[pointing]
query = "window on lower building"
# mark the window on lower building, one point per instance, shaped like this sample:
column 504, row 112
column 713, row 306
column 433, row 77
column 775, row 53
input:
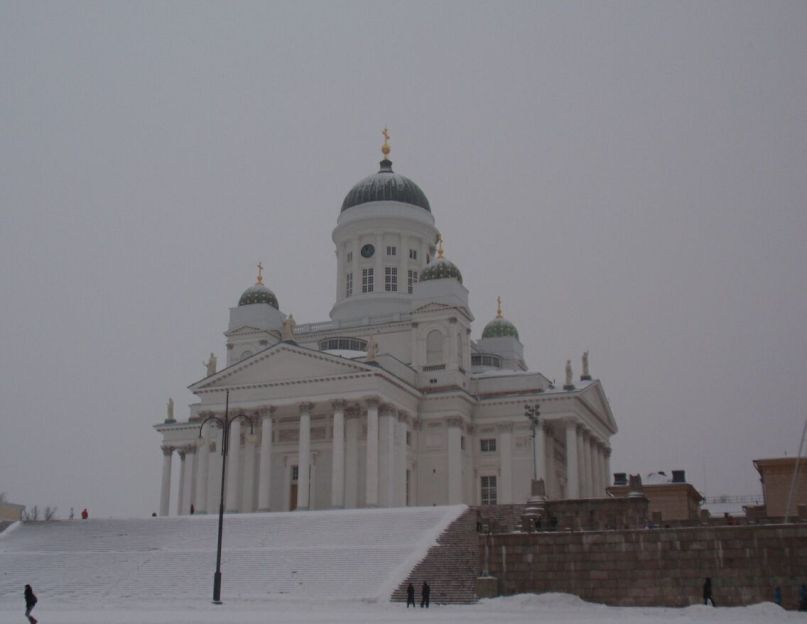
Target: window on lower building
column 348, row 284
column 391, row 279
column 488, row 485
column 462, row 443
column 413, row 254
column 411, row 280
column 408, row 438
column 342, row 343
column 367, row 280
column 487, row 445
column 392, row 251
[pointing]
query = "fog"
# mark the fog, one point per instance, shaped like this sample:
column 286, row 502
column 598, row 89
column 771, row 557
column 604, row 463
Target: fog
column 630, row 178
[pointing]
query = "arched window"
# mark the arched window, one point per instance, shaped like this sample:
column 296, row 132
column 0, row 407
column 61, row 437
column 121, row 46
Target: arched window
column 342, row 343
column 460, row 351
column 434, row 347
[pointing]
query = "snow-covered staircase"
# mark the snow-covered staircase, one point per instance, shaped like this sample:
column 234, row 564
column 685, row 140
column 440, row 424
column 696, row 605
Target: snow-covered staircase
column 317, row 555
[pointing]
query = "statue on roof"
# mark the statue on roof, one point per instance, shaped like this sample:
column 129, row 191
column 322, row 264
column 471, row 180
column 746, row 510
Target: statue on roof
column 585, row 376
column 169, row 411
column 287, row 332
column 210, row 365
column 372, row 349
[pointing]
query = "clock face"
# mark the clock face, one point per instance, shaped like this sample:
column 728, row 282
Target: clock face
column 367, row 251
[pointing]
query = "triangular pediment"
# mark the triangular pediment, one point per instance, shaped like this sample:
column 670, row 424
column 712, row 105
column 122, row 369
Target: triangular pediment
column 432, row 307
column 246, row 330
column 282, row 363
column 594, row 396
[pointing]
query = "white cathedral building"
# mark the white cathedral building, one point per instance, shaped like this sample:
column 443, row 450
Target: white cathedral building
column 392, row 401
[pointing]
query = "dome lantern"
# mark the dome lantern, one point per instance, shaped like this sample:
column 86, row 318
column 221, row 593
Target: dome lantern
column 258, row 293
column 500, row 326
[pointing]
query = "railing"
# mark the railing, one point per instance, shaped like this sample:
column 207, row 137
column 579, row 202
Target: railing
column 434, row 367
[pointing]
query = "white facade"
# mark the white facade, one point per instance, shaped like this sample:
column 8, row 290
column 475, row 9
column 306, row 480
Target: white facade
column 389, row 403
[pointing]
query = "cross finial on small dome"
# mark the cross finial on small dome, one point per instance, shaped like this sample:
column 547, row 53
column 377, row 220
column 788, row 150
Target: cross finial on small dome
column 385, row 149
column 260, row 273
column 440, row 247
column 499, row 308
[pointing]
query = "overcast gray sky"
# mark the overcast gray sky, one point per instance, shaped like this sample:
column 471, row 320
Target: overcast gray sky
column 631, row 178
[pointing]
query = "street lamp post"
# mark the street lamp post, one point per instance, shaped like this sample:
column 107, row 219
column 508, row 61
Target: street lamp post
column 224, row 423
column 533, row 414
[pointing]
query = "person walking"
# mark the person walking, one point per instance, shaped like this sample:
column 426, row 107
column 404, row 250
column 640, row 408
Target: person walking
column 777, row 595
column 410, row 596
column 425, row 591
column 707, row 592
column 30, row 603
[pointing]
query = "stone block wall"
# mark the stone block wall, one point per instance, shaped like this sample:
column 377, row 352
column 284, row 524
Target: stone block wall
column 658, row 567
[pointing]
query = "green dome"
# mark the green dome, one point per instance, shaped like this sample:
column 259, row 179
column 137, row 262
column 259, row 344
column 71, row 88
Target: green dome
column 499, row 327
column 258, row 294
column 441, row 268
column 386, row 185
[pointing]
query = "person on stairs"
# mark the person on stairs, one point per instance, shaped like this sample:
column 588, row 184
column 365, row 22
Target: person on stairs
column 30, row 603
column 410, row 596
column 425, row 591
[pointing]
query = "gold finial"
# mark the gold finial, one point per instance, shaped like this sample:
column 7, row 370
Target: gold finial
column 385, row 149
column 499, row 308
column 439, row 246
column 260, row 273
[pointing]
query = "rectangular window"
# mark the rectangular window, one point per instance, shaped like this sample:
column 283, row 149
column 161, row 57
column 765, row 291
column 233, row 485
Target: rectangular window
column 462, row 443
column 413, row 254
column 349, row 285
column 350, row 256
column 392, row 251
column 408, row 438
column 487, row 445
column 411, row 280
column 367, row 280
column 488, row 491
column 391, row 279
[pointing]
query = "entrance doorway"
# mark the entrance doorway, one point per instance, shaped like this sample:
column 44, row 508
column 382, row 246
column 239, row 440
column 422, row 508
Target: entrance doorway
column 293, row 488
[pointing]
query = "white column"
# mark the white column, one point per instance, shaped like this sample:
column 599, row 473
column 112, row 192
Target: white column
column 371, row 479
column 401, row 455
column 248, row 493
column 505, row 446
column 265, row 468
column 585, row 464
column 539, row 450
column 202, row 456
column 304, row 457
column 595, row 467
column 607, row 467
column 214, row 470
column 386, row 436
column 181, row 494
column 572, row 473
column 352, row 429
column 233, row 464
column 338, row 456
column 192, row 475
column 165, row 489
column 380, row 255
column 601, row 475
column 454, row 460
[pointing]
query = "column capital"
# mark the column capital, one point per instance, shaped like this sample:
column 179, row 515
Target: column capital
column 454, row 421
column 386, row 409
column 339, row 404
column 167, row 450
column 306, row 407
column 372, row 401
column 190, row 449
column 352, row 410
column 506, row 427
column 267, row 411
column 181, row 453
column 404, row 417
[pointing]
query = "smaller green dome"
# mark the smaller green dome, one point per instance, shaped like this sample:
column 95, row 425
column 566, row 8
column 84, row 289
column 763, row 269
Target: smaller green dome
column 258, row 294
column 498, row 328
column 441, row 269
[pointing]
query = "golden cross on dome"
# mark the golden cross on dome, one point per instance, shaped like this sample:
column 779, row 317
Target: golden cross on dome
column 260, row 273
column 499, row 308
column 385, row 149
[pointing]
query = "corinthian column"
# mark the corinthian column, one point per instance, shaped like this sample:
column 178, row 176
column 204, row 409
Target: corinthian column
column 165, row 489
column 386, row 426
column 371, row 480
column 454, row 460
column 265, row 468
column 248, row 480
column 233, row 463
column 304, row 454
column 338, row 456
column 572, row 474
column 181, row 495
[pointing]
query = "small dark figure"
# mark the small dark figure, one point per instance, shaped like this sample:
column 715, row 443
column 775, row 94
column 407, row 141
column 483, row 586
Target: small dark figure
column 424, row 595
column 30, row 603
column 192, row 509
column 153, row 514
column 410, row 596
column 553, row 523
column 707, row 592
column 777, row 595
column 803, row 598
column 539, row 524
column 85, row 514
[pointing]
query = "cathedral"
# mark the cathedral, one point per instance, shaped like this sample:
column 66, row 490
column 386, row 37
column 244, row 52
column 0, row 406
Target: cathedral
column 392, row 401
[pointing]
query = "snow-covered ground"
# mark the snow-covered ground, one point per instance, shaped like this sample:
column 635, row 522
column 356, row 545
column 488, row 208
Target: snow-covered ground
column 522, row 609
column 328, row 567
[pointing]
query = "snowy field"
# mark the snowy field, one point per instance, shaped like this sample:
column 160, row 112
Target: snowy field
column 522, row 609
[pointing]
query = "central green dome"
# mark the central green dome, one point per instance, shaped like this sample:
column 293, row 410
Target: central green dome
column 386, row 185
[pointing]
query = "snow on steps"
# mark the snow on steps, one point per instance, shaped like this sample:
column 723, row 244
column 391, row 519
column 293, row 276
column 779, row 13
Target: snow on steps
column 315, row 555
